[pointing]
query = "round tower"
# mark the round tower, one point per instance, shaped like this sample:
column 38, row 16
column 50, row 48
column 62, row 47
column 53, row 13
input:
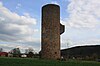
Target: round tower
column 50, row 32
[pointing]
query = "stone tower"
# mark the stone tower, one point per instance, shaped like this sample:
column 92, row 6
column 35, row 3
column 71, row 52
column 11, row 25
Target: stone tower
column 51, row 30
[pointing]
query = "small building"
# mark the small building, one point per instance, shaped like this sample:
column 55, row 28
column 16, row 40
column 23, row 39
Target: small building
column 10, row 55
column 3, row 54
column 24, row 56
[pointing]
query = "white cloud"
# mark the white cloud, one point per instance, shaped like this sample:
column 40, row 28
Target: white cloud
column 14, row 27
column 10, row 17
column 17, row 30
column 2, row 19
column 52, row 2
column 82, row 24
column 36, row 30
column 68, row 43
column 83, row 13
column 55, row 2
column 1, row 4
column 18, row 5
column 93, row 41
column 9, row 46
column 26, row 14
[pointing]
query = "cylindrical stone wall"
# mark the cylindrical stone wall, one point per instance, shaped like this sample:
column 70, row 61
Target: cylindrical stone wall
column 50, row 38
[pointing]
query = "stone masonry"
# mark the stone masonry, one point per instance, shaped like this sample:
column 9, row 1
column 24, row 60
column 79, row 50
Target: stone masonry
column 51, row 30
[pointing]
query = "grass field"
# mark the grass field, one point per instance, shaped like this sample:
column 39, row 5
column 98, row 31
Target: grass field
column 39, row 62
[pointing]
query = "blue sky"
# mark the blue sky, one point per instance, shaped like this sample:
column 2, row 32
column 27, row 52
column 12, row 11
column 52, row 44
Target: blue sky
column 20, row 23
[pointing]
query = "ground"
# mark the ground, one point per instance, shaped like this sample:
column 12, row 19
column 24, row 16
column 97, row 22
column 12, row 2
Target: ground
column 40, row 62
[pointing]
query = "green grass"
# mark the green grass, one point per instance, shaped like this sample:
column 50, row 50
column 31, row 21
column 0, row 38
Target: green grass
column 39, row 62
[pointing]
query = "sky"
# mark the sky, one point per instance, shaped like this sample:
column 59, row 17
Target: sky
column 20, row 23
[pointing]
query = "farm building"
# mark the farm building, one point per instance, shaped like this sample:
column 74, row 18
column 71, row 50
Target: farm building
column 4, row 54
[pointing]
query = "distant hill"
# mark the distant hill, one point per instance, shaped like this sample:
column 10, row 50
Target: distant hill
column 82, row 51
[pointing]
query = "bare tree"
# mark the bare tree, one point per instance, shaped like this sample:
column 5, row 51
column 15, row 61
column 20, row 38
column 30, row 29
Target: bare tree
column 30, row 52
column 16, row 52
